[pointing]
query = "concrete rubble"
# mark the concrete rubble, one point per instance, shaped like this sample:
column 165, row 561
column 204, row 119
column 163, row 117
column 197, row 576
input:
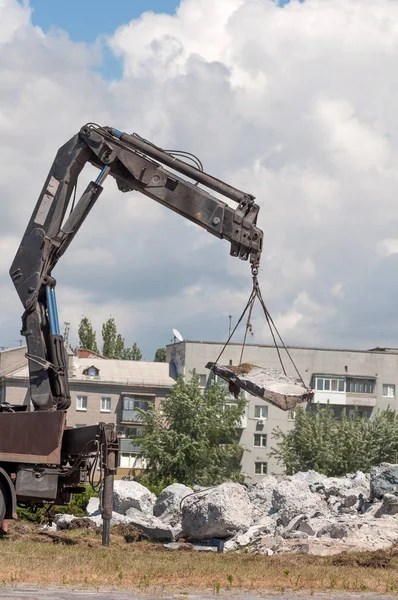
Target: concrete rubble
column 131, row 494
column 217, row 513
column 303, row 513
column 168, row 504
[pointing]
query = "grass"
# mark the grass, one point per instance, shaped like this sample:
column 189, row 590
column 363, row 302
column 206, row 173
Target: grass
column 77, row 558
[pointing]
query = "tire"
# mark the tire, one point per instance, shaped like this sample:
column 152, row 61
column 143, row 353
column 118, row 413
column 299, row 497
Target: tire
column 3, row 497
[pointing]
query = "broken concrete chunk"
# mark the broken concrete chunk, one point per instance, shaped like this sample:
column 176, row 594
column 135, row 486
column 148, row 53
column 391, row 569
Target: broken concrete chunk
column 260, row 495
column 131, row 494
column 383, row 480
column 265, row 382
column 389, row 506
column 219, row 512
column 168, row 504
column 151, row 526
column 293, row 497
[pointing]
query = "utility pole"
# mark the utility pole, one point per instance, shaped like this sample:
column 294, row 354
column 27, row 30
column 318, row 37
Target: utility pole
column 230, row 325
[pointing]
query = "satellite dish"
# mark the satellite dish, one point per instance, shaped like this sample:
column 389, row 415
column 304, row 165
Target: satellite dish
column 177, row 335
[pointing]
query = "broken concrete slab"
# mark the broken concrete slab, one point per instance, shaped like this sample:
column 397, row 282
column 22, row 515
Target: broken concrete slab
column 260, row 495
column 292, row 497
column 151, row 526
column 131, row 494
column 265, row 382
column 389, row 506
column 168, row 505
column 383, row 480
column 219, row 512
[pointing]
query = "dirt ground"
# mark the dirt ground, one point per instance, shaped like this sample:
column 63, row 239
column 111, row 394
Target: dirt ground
column 75, row 559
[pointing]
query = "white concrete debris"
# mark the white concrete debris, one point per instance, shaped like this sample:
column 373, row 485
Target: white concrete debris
column 260, row 495
column 150, row 525
column 217, row 513
column 293, row 496
column 131, row 494
column 93, row 507
column 383, row 480
column 303, row 513
column 168, row 504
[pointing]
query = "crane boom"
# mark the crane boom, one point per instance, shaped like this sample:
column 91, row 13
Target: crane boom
column 136, row 165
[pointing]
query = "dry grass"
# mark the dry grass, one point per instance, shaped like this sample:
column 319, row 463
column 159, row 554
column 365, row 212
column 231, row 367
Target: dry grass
column 76, row 558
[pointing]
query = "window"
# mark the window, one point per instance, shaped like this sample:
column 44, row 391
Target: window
column 291, row 415
column 352, row 411
column 91, row 372
column 81, row 403
column 224, row 407
column 127, row 460
column 260, row 440
column 202, row 380
column 134, row 402
column 329, row 384
column 105, row 405
column 388, row 390
column 260, row 468
column 260, row 411
column 360, row 386
column 133, row 431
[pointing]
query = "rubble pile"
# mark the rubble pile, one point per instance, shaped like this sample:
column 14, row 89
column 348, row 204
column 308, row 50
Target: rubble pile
column 303, row 513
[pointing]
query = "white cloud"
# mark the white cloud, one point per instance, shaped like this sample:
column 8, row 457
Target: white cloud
column 295, row 105
column 389, row 246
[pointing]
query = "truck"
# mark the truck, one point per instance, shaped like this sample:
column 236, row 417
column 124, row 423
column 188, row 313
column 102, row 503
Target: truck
column 43, row 460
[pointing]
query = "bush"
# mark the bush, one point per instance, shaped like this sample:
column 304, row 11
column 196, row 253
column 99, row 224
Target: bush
column 337, row 446
column 77, row 507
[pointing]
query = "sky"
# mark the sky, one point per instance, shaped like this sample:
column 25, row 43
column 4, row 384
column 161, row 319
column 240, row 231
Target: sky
column 295, row 104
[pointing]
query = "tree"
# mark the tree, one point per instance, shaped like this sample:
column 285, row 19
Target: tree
column 113, row 343
column 193, row 439
column 337, row 446
column 109, row 335
column 160, row 355
column 119, row 347
column 133, row 353
column 87, row 335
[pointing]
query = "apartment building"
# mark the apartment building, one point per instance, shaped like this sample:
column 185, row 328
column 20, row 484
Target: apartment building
column 348, row 380
column 104, row 390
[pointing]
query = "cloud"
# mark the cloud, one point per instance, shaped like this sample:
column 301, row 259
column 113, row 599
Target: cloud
column 296, row 105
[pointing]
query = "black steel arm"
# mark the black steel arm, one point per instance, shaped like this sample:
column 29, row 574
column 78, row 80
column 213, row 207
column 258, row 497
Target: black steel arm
column 134, row 164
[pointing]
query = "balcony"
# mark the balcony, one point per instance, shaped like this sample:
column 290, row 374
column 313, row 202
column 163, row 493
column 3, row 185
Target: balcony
column 341, row 390
column 345, row 399
column 131, row 416
column 127, row 445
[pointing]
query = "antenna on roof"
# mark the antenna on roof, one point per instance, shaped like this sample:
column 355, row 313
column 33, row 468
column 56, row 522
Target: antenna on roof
column 177, row 336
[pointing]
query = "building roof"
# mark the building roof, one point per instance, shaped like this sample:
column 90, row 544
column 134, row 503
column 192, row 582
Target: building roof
column 123, row 372
column 84, row 353
column 212, row 343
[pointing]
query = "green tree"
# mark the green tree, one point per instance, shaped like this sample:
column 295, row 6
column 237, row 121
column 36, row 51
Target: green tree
column 113, row 343
column 133, row 353
column 336, row 446
column 119, row 347
column 87, row 335
column 109, row 336
column 160, row 355
column 193, row 439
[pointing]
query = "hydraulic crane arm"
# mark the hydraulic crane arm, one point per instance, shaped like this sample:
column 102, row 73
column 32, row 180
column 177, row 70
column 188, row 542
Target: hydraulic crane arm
column 134, row 164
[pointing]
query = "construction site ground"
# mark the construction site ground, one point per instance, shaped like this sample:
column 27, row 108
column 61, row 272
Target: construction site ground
column 26, row 593
column 75, row 560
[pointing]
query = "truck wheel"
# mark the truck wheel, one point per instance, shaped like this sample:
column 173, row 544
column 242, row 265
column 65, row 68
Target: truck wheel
column 2, row 503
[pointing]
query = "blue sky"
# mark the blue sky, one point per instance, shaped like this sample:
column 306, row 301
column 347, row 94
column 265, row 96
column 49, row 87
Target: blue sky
column 85, row 20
